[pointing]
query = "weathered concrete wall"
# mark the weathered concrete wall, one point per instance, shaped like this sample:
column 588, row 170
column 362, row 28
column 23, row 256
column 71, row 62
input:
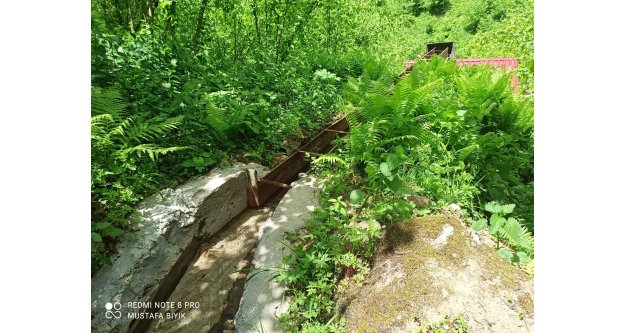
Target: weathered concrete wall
column 210, row 278
column 171, row 228
column 262, row 301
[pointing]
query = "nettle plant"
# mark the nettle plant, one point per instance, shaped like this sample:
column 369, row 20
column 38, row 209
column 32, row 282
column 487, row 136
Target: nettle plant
column 508, row 231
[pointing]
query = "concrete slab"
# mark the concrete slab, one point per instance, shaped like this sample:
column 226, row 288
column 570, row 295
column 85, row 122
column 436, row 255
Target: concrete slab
column 263, row 299
column 171, row 225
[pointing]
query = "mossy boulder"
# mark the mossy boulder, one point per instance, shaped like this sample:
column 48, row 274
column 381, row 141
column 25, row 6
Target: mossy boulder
column 434, row 267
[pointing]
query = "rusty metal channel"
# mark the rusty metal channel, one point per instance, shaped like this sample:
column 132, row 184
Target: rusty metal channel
column 278, row 180
column 425, row 56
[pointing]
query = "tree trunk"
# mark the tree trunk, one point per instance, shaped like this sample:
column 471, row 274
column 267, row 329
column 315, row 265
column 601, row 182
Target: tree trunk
column 151, row 6
column 255, row 11
column 266, row 25
column 130, row 23
column 171, row 24
column 200, row 22
column 107, row 12
column 236, row 36
column 302, row 23
column 280, row 29
column 328, row 27
column 118, row 13
column 143, row 11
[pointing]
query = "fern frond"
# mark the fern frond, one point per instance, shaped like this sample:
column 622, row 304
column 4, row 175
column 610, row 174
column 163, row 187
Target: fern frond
column 151, row 150
column 130, row 130
column 518, row 236
column 120, row 130
column 408, row 137
column 107, row 101
column 352, row 120
column 329, row 159
column 216, row 118
column 98, row 125
column 102, row 118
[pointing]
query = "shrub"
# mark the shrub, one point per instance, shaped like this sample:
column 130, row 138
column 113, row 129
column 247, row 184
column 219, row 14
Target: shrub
column 433, row 7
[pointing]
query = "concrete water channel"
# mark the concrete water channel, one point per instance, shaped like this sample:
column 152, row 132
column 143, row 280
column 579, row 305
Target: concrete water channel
column 187, row 267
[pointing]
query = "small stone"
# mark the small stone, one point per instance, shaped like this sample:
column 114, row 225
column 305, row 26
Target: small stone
column 476, row 238
column 365, row 225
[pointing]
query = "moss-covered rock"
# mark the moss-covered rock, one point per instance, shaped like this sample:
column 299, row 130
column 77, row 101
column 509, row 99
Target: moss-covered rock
column 432, row 267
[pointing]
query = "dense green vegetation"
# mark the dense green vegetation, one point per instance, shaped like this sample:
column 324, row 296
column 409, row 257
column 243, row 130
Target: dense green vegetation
column 179, row 87
column 455, row 135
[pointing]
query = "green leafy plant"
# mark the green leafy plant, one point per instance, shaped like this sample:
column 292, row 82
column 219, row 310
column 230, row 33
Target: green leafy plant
column 200, row 162
column 335, row 246
column 434, row 7
column 447, row 325
column 507, row 231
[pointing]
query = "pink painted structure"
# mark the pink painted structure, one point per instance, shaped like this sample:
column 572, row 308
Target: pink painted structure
column 507, row 63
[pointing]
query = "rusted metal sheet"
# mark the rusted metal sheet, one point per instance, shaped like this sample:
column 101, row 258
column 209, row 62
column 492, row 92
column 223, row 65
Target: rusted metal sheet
column 444, row 53
column 284, row 173
column 410, row 65
column 445, row 49
column 277, row 181
column 340, row 125
column 507, row 63
column 319, row 142
column 271, row 182
column 252, row 189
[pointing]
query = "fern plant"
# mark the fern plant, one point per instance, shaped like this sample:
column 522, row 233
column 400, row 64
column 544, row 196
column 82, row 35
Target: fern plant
column 399, row 124
column 120, row 176
column 230, row 120
column 114, row 134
